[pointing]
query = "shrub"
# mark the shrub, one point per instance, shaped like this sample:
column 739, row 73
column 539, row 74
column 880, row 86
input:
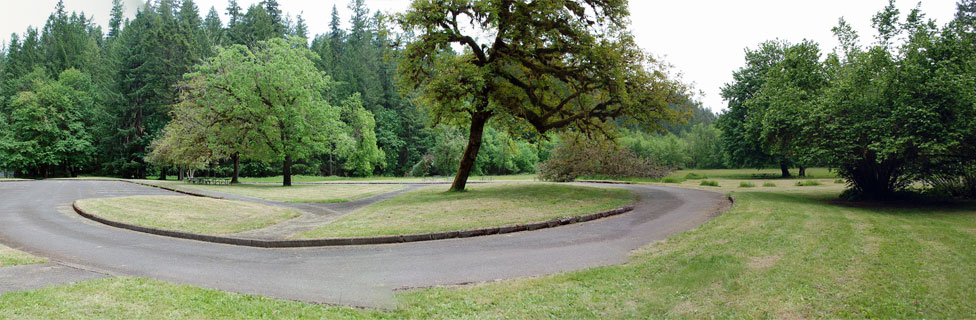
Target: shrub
column 694, row 176
column 302, row 169
column 577, row 156
column 671, row 180
column 744, row 184
column 422, row 167
column 808, row 183
column 709, row 183
column 769, row 184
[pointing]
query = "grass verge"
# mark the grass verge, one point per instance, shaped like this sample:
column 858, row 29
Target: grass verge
column 322, row 193
column 187, row 214
column 795, row 254
column 432, row 209
column 11, row 257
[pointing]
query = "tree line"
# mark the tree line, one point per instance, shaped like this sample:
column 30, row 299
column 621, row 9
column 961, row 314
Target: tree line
column 888, row 114
column 169, row 92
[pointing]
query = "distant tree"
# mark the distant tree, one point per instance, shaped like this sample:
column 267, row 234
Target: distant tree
column 263, row 104
column 740, row 139
column 548, row 65
column 705, row 147
column 896, row 112
column 362, row 155
column 116, row 19
column 49, row 131
column 779, row 111
column 214, row 29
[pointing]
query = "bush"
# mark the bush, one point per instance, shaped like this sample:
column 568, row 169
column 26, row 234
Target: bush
column 709, row 183
column 303, row 169
column 744, row 184
column 577, row 156
column 769, row 185
column 694, row 176
column 422, row 168
column 959, row 181
column 808, row 183
column 672, row 180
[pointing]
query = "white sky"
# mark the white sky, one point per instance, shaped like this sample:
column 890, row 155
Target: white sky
column 704, row 40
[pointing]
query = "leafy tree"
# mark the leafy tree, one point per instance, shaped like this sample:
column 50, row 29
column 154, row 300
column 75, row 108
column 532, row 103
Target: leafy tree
column 546, row 66
column 266, row 104
column 705, row 147
column 896, row 112
column 49, row 130
column 362, row 155
column 742, row 141
column 778, row 112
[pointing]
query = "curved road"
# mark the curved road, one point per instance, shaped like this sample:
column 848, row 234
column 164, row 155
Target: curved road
column 36, row 217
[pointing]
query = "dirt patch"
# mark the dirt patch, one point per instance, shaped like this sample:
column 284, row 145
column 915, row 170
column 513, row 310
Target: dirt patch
column 871, row 245
column 762, row 263
column 684, row 308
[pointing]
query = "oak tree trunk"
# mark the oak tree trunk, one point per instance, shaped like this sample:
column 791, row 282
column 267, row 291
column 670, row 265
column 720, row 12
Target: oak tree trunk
column 286, row 171
column 237, row 167
column 478, row 121
column 785, row 168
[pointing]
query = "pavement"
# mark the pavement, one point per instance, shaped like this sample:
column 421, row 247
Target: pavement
column 33, row 219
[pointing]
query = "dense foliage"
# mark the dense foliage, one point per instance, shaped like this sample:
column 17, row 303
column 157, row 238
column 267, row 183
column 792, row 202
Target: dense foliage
column 898, row 111
column 578, row 155
column 533, row 66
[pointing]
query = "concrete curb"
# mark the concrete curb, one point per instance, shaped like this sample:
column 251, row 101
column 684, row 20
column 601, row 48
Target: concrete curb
column 328, row 242
column 605, row 181
column 189, row 193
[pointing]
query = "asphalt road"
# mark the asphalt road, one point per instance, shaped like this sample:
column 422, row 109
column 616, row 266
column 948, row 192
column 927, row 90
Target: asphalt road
column 36, row 217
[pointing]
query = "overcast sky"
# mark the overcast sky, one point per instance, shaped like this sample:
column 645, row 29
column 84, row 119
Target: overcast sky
column 704, row 40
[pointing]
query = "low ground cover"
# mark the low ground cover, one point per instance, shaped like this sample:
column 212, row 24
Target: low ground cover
column 312, row 179
column 188, row 214
column 783, row 254
column 323, row 193
column 11, row 257
column 432, row 209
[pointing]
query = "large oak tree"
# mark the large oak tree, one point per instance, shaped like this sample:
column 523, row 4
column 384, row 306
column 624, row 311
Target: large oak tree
column 538, row 65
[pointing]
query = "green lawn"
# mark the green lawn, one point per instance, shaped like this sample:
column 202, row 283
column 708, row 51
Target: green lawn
column 10, row 257
column 309, row 179
column 784, row 254
column 432, row 209
column 323, row 193
column 727, row 174
column 188, row 214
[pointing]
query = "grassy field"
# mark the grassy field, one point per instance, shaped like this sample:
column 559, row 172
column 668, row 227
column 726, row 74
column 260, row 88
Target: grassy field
column 776, row 254
column 323, row 193
column 188, row 214
column 432, row 209
column 10, row 257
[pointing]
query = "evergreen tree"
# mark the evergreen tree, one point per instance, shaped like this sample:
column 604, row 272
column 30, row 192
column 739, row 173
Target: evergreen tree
column 214, row 29
column 115, row 22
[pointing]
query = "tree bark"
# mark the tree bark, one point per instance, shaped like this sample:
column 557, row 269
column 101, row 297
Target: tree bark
column 286, row 171
column 785, row 168
column 803, row 172
column 162, row 173
column 478, row 121
column 237, row 167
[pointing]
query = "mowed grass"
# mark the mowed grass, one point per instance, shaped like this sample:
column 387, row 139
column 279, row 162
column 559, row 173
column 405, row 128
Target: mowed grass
column 447, row 179
column 433, row 209
column 321, row 193
column 188, row 214
column 11, row 257
column 793, row 254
